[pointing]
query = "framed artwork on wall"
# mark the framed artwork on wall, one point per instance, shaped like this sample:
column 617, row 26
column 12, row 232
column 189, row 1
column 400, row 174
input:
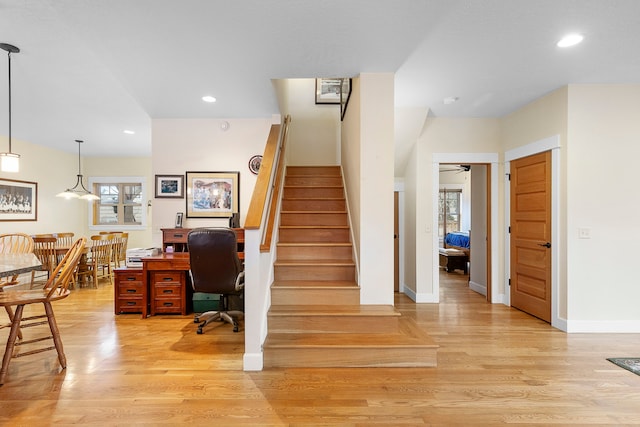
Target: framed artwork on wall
column 328, row 91
column 18, row 200
column 345, row 93
column 213, row 194
column 169, row 186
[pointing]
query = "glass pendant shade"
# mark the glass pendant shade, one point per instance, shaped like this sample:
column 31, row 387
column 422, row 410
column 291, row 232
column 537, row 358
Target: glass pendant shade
column 9, row 162
column 78, row 190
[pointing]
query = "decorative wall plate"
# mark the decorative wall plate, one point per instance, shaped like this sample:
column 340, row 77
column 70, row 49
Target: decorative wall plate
column 254, row 164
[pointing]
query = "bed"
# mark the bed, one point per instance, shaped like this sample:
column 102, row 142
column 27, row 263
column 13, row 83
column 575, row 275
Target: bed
column 458, row 240
column 456, row 251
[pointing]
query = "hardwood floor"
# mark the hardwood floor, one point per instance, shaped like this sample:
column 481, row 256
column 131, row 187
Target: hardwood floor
column 496, row 365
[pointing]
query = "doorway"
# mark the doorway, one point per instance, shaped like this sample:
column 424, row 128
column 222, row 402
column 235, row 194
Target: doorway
column 490, row 162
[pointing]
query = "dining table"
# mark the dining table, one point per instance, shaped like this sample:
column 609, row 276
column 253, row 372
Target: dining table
column 12, row 264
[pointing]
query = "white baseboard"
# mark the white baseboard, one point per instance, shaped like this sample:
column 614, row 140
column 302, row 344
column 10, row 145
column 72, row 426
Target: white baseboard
column 252, row 362
column 477, row 287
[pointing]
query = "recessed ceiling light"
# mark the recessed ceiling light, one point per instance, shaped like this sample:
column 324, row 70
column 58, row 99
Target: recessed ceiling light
column 129, row 132
column 208, row 98
column 450, row 100
column 570, row 40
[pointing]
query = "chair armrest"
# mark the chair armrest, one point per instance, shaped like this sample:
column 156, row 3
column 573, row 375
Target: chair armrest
column 240, row 281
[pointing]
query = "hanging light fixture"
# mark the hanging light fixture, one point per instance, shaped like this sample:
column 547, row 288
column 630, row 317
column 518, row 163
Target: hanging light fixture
column 75, row 192
column 9, row 162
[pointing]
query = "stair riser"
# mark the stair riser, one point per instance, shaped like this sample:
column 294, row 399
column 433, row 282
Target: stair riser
column 314, row 170
column 328, row 205
column 315, row 296
column 313, row 180
column 305, row 253
column 333, row 324
column 316, row 272
column 313, row 235
column 313, row 218
column 327, row 357
column 312, row 192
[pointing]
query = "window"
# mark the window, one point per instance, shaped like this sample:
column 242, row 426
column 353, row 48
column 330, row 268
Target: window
column 448, row 211
column 121, row 203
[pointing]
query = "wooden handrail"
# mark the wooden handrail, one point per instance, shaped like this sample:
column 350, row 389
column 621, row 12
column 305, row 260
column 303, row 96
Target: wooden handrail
column 273, row 157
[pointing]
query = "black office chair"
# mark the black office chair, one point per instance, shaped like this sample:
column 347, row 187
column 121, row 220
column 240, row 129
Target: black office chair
column 216, row 269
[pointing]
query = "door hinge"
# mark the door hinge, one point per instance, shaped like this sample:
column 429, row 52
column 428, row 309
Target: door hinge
column 509, row 230
column 509, row 282
column 508, row 176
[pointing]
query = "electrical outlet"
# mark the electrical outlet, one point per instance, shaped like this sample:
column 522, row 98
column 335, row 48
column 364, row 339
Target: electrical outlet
column 584, row 233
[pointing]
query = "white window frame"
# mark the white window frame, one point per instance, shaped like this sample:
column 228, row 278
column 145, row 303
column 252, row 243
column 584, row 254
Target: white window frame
column 119, row 180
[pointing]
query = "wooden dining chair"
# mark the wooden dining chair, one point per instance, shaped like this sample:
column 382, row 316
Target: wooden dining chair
column 99, row 258
column 65, row 239
column 56, row 288
column 14, row 243
column 45, row 249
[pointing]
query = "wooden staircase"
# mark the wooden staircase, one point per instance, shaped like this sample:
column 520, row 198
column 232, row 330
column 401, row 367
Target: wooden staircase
column 316, row 319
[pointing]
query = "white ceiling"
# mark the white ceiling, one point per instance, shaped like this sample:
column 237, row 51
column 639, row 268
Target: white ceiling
column 89, row 69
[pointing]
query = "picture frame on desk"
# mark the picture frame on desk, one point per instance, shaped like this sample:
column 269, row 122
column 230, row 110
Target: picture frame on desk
column 169, row 186
column 18, row 200
column 179, row 216
column 212, row 194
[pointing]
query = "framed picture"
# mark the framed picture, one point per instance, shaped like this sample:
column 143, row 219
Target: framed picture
column 328, row 91
column 213, row 194
column 18, row 200
column 345, row 93
column 179, row 219
column 169, row 186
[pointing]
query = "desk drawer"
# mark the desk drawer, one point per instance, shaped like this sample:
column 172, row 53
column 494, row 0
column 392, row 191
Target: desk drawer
column 175, row 236
column 167, row 305
column 167, row 277
column 128, row 289
column 130, row 305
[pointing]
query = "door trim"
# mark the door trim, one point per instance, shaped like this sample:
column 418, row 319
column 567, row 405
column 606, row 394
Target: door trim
column 552, row 144
column 480, row 158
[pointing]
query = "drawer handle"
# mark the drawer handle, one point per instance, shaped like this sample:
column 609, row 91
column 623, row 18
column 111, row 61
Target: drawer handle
column 168, row 304
column 131, row 303
column 131, row 279
column 167, row 291
column 177, row 235
column 131, row 291
column 167, row 279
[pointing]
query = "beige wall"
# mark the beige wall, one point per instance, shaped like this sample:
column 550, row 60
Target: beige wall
column 603, row 145
column 181, row 145
column 440, row 135
column 314, row 132
column 54, row 171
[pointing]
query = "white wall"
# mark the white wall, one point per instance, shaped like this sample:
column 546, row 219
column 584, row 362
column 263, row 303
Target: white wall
column 479, row 232
column 181, row 145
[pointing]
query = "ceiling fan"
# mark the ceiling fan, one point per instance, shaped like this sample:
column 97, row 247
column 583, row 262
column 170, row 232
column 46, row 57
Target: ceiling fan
column 455, row 168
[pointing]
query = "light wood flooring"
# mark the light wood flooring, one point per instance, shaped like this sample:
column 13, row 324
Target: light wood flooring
column 496, row 365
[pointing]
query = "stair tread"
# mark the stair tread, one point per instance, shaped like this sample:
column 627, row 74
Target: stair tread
column 346, row 340
column 315, row 212
column 311, row 244
column 333, row 262
column 314, row 284
column 333, row 310
column 313, row 227
column 314, row 198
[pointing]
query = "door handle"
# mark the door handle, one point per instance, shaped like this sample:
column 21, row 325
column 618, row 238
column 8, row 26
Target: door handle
column 546, row 245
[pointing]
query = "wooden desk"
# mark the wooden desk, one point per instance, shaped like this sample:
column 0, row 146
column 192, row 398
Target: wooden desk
column 12, row 264
column 159, row 287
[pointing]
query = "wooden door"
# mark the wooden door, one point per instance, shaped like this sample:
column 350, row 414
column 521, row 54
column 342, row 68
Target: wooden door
column 396, row 245
column 531, row 235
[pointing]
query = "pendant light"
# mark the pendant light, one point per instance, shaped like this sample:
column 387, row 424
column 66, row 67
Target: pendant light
column 9, row 162
column 75, row 192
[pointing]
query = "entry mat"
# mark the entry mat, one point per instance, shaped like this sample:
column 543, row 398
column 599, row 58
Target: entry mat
column 629, row 363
